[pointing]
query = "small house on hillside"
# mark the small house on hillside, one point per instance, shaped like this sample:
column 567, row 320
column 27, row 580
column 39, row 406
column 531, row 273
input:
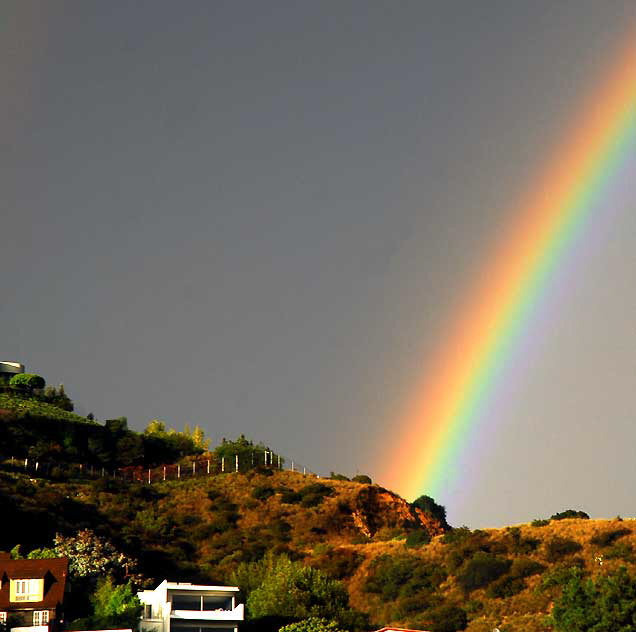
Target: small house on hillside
column 32, row 593
column 9, row 369
column 185, row 607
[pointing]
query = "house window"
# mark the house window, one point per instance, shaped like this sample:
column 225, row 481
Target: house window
column 40, row 617
column 147, row 611
column 26, row 590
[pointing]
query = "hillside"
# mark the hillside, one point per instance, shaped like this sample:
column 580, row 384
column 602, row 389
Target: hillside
column 363, row 535
column 14, row 407
column 399, row 563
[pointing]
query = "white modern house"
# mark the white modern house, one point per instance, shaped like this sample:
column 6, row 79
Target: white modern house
column 185, row 607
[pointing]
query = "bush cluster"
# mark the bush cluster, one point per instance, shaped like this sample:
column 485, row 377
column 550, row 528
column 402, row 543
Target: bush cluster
column 481, row 570
column 607, row 538
column 263, row 492
column 570, row 513
column 395, row 576
column 337, row 563
column 559, row 547
column 417, row 538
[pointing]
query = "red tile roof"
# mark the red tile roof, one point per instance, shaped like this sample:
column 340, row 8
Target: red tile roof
column 398, row 630
column 53, row 571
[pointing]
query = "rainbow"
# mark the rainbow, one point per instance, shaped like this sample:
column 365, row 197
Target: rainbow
column 464, row 372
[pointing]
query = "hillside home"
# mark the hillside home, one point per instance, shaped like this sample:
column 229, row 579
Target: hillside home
column 185, row 607
column 9, row 369
column 32, row 593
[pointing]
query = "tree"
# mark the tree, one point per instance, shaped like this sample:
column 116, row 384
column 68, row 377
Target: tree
column 607, row 605
column 27, row 381
column 570, row 513
column 155, row 427
column 91, row 556
column 115, row 606
column 199, row 440
column 313, row 624
column 245, row 449
column 290, row 589
column 58, row 397
column 429, row 506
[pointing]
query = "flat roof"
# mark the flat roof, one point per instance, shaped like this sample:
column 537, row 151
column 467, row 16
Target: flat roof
column 11, row 365
column 199, row 587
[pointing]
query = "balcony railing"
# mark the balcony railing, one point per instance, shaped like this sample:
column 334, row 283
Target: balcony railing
column 234, row 614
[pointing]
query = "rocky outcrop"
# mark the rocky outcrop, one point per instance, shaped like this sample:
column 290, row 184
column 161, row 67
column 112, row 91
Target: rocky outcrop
column 374, row 508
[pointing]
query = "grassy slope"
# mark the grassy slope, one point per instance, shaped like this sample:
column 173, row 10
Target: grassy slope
column 526, row 611
column 34, row 408
column 201, row 529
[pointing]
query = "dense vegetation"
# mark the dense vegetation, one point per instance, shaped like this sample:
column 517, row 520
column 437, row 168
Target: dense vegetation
column 310, row 555
column 351, row 544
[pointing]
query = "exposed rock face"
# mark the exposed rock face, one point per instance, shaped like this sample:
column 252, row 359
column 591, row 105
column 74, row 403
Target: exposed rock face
column 375, row 508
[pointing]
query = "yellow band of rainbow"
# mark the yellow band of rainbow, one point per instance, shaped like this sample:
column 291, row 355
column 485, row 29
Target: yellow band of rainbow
column 431, row 431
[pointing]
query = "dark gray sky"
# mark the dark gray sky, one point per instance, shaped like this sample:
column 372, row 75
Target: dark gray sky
column 258, row 216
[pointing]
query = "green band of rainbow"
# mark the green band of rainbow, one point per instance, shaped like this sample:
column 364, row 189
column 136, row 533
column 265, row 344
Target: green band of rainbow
column 472, row 360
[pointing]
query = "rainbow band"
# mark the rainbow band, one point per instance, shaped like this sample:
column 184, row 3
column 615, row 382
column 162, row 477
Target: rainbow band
column 469, row 364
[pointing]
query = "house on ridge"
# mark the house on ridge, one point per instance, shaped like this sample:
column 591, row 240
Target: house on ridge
column 9, row 369
column 32, row 593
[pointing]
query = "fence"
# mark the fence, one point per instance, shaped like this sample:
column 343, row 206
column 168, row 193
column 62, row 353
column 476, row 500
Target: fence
column 206, row 465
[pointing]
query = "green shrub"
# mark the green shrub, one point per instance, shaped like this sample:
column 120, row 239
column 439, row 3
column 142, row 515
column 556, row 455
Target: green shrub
column 448, row 618
column 608, row 603
column 430, row 507
column 313, row 494
column 317, row 488
column 559, row 547
column 290, row 497
column 560, row 574
column 363, row 479
column 539, row 522
column 263, row 492
column 281, row 530
column 520, row 545
column 466, row 547
column 402, row 576
column 608, row 538
column 338, row 477
column 417, row 538
column 506, row 586
column 291, row 589
column 27, row 381
column 481, row 570
column 620, row 551
column 311, row 500
column 313, row 624
column 339, row 563
column 570, row 513
column 524, row 567
column 458, row 534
